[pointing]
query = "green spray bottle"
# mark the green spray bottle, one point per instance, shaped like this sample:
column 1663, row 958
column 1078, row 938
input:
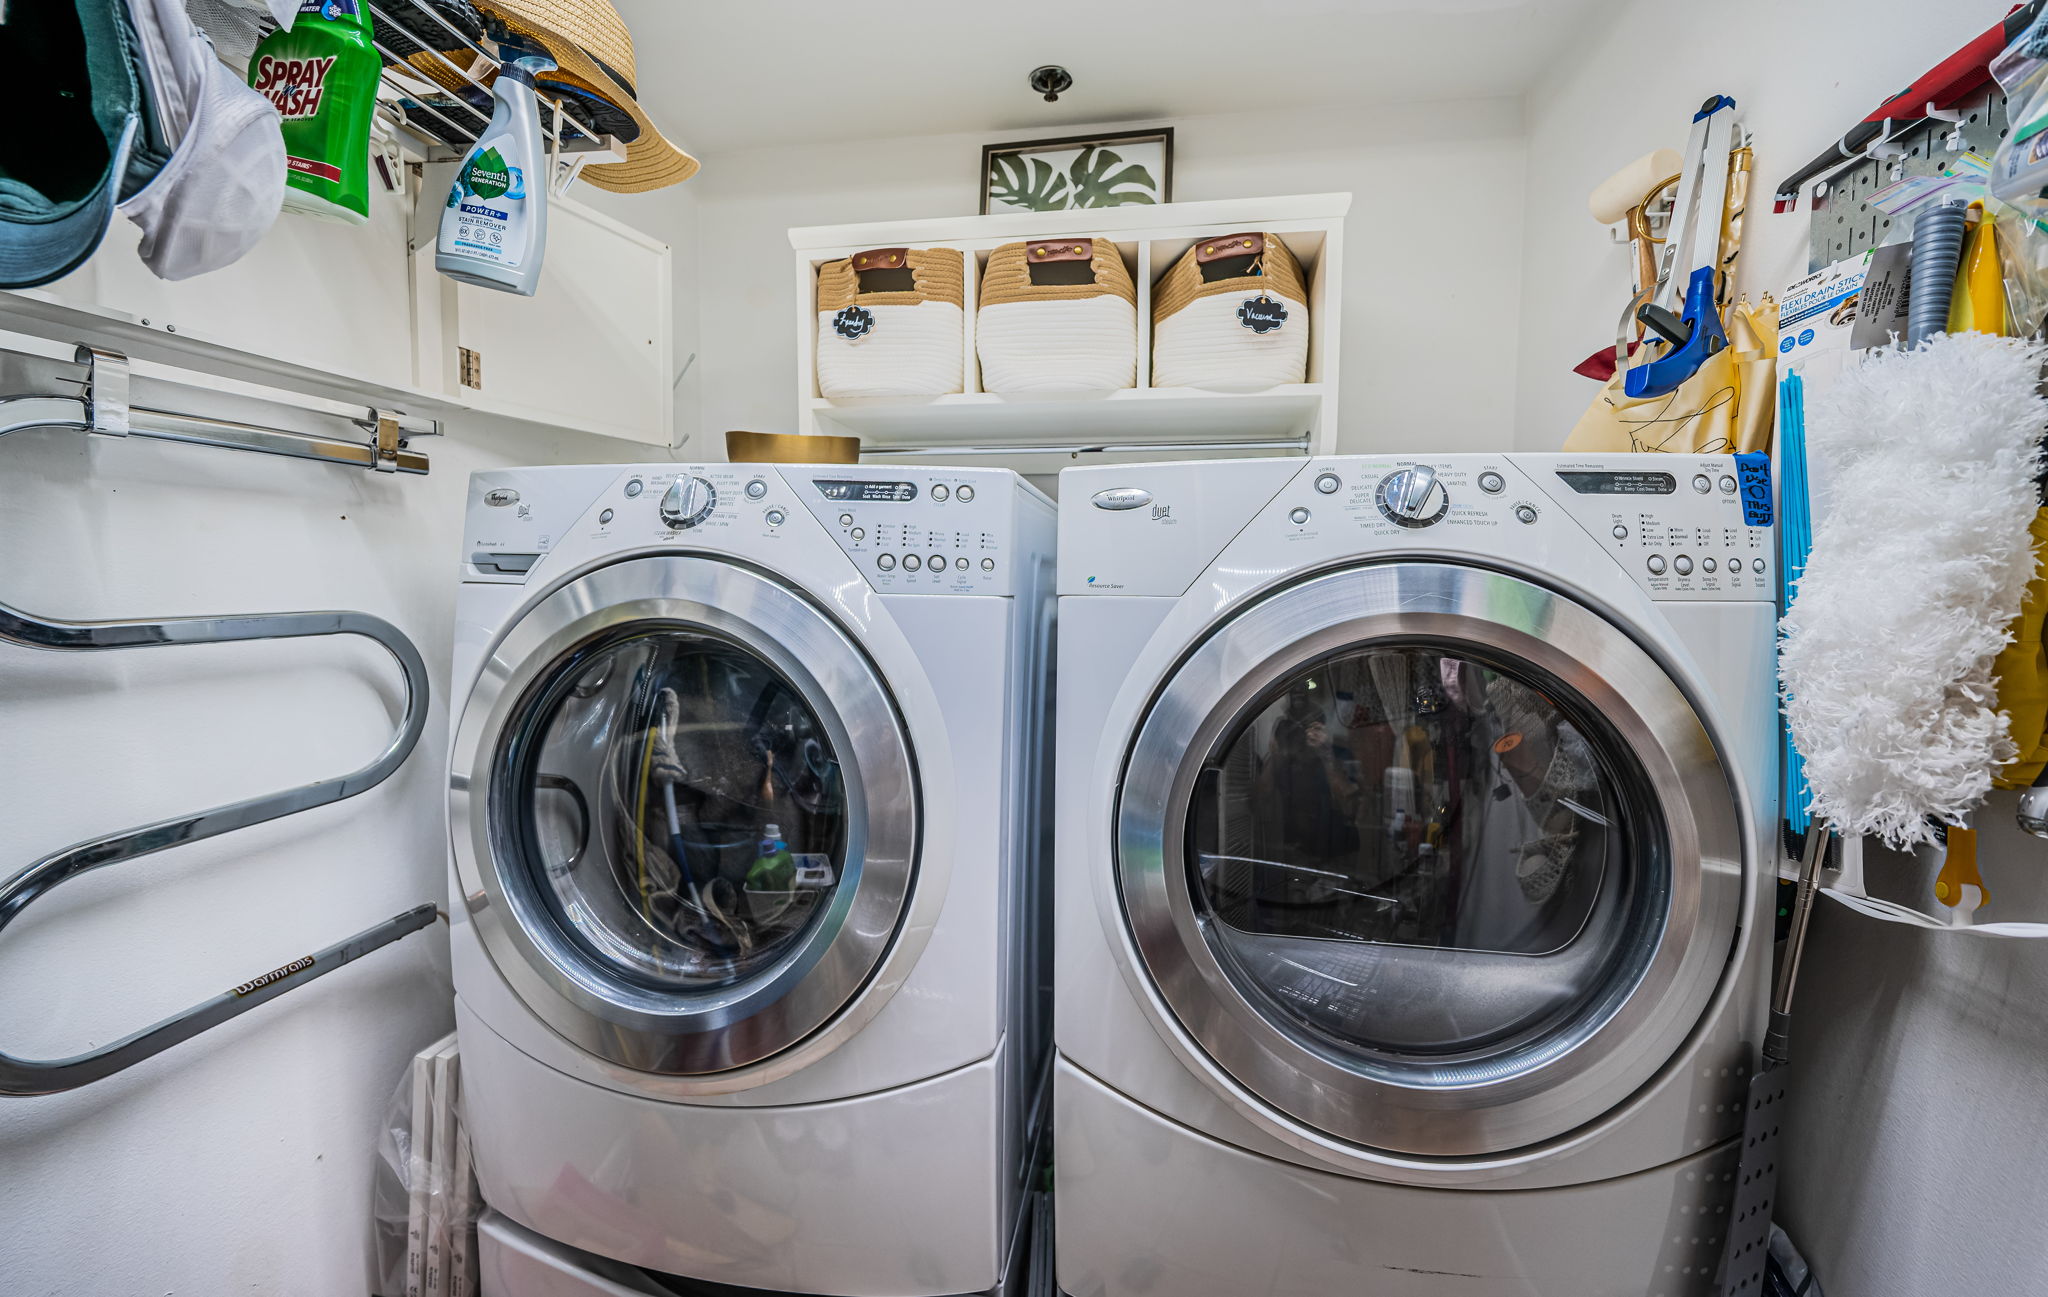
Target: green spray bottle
column 322, row 78
column 494, row 230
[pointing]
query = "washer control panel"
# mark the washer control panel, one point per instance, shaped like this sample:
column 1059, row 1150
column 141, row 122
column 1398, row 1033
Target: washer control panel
column 915, row 531
column 921, row 531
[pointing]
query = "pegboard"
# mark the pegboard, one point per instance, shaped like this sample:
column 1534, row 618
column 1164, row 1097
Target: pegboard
column 1843, row 226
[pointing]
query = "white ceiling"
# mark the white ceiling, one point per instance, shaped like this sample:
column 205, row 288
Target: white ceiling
column 722, row 76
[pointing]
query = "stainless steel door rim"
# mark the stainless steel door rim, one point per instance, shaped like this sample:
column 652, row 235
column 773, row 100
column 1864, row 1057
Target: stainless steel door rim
column 593, row 1005
column 1488, row 1105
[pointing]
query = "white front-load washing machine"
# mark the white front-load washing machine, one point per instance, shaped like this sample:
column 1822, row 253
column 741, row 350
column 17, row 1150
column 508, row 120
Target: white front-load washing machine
column 747, row 839
column 1414, row 878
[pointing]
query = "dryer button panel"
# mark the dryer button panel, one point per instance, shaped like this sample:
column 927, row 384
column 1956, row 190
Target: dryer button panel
column 1679, row 526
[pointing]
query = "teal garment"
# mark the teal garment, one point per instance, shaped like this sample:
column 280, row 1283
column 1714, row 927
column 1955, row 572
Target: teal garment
column 96, row 140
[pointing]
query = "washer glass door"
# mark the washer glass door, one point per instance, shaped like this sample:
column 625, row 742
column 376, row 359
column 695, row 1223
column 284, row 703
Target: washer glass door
column 1428, row 859
column 678, row 807
column 686, row 814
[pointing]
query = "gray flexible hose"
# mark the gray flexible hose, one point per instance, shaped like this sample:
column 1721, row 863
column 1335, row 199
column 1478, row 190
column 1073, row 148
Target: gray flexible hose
column 1937, row 251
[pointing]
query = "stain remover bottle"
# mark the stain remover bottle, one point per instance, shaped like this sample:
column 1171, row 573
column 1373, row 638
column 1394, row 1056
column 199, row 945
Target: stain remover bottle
column 495, row 229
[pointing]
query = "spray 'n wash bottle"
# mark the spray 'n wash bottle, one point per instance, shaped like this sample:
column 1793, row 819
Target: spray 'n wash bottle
column 495, row 229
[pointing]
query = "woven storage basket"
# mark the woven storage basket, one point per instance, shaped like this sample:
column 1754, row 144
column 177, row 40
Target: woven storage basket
column 902, row 342
column 1057, row 337
column 1244, row 330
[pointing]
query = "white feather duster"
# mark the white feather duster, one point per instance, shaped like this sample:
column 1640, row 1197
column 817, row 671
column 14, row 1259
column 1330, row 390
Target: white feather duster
column 1920, row 558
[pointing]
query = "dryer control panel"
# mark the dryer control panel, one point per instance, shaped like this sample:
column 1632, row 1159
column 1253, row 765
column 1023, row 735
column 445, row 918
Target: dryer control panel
column 1682, row 527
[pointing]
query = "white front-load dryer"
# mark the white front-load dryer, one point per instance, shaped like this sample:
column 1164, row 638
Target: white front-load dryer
column 745, row 791
column 1413, row 872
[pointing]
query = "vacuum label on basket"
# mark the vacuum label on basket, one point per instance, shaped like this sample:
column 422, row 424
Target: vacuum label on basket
column 1261, row 314
column 853, row 322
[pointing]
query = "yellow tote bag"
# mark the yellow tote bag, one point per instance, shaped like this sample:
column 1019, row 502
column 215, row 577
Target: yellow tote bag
column 1730, row 406
column 2021, row 669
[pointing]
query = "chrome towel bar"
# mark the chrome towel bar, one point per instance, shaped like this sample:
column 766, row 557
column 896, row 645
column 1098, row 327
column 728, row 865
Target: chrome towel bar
column 104, row 408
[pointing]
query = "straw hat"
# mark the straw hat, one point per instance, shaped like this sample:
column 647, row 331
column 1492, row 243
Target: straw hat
column 594, row 52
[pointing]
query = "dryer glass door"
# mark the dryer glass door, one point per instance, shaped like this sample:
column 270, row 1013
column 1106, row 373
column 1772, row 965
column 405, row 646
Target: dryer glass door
column 685, row 814
column 1431, row 859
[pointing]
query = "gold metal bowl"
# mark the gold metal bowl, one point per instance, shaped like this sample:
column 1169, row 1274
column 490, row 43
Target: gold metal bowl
column 790, row 448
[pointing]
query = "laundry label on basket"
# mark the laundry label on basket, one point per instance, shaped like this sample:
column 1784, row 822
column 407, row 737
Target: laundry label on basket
column 853, row 322
column 1261, row 314
column 1753, row 482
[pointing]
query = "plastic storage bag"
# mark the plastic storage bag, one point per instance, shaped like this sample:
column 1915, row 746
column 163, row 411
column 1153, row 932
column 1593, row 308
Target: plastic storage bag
column 424, row 1202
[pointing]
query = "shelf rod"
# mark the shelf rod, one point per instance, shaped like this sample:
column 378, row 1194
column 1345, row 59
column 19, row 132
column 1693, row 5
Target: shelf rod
column 104, row 409
column 1285, row 443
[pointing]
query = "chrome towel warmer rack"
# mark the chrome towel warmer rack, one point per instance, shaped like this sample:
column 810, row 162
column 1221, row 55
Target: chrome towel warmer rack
column 105, row 409
column 25, row 1076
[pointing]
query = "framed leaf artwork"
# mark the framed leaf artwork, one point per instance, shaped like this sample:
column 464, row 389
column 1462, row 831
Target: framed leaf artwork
column 1079, row 171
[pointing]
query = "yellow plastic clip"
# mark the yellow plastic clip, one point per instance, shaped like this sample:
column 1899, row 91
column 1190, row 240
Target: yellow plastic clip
column 1959, row 869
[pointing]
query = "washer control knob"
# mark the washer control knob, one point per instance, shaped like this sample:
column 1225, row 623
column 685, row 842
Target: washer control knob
column 688, row 501
column 1492, row 483
column 886, row 562
column 756, row 489
column 1656, row 564
column 1328, row 483
column 1525, row 513
column 1413, row 497
column 1298, row 517
column 1682, row 565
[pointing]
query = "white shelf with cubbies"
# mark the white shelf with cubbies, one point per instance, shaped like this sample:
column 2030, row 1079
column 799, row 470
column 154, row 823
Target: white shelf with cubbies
column 900, row 306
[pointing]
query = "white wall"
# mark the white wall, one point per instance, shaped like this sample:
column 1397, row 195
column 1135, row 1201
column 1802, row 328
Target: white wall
column 1913, row 1162
column 1432, row 251
column 239, row 1161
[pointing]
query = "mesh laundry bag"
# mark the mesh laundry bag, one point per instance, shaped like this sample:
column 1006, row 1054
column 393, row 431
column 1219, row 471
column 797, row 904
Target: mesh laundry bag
column 1231, row 313
column 1057, row 315
column 891, row 323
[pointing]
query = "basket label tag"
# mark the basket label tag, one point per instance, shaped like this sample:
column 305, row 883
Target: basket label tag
column 1261, row 314
column 853, row 322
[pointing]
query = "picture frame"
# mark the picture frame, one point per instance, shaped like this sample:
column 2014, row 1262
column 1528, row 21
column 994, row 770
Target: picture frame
column 1078, row 171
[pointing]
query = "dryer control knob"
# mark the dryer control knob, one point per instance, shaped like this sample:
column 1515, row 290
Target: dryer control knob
column 689, row 501
column 1413, row 497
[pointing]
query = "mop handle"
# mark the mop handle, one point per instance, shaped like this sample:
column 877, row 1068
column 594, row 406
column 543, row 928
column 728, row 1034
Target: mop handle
column 1777, row 1039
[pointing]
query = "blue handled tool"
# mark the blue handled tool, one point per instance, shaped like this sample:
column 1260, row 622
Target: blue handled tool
column 1690, row 327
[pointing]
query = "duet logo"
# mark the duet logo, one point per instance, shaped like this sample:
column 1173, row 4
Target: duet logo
column 294, row 87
